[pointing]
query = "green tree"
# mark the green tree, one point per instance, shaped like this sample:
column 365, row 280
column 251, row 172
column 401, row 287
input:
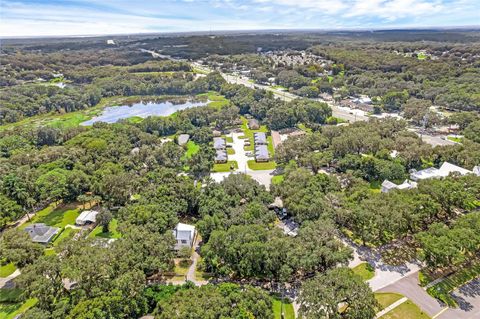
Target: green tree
column 338, row 293
column 17, row 247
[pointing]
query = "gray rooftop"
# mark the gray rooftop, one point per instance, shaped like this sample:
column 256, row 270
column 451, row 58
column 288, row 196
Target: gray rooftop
column 219, row 143
column 41, row 233
column 260, row 138
column 261, row 152
column 221, row 155
column 183, row 139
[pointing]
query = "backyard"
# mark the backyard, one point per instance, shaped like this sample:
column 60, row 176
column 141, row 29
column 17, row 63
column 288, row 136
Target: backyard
column 111, row 234
column 56, row 215
column 278, row 303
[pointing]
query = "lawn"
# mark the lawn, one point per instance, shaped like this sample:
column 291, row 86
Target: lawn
column 407, row 310
column 260, row 166
column 192, row 148
column 364, row 270
column 216, row 101
column 112, row 234
column 443, row 289
column 455, row 139
column 225, row 167
column 56, row 215
column 229, row 139
column 230, row 151
column 277, row 309
column 277, row 179
column 11, row 310
column 7, row 270
column 66, row 233
column 385, row 299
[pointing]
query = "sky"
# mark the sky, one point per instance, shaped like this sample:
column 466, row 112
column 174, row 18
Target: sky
column 96, row 17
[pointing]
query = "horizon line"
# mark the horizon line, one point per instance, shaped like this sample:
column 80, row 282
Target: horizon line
column 207, row 32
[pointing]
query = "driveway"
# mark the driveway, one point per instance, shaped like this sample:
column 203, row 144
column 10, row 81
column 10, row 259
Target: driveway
column 409, row 287
column 468, row 298
column 263, row 177
column 385, row 274
column 7, row 282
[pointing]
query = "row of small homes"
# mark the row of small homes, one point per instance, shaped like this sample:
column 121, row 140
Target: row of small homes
column 261, row 149
column 431, row 172
column 220, row 146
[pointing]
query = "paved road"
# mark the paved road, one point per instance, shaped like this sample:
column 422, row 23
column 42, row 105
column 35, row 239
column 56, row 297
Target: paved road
column 468, row 298
column 337, row 111
column 409, row 287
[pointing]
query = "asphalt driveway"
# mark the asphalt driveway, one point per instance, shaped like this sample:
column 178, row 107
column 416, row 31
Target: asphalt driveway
column 468, row 298
column 408, row 286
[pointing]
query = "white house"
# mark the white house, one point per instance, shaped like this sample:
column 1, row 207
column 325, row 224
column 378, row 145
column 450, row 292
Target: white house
column 444, row 170
column 184, row 235
column 87, row 217
column 476, row 170
column 388, row 185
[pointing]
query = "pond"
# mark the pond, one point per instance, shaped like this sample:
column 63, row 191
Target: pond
column 112, row 114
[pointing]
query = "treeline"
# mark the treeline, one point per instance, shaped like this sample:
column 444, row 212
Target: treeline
column 23, row 101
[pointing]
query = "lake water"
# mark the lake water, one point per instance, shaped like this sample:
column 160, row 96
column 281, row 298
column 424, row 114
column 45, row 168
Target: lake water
column 112, row 114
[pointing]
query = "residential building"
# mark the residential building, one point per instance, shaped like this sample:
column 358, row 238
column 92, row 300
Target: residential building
column 41, row 233
column 183, row 139
column 260, row 138
column 388, row 185
column 221, row 156
column 476, row 170
column 87, row 217
column 261, row 153
column 253, row 124
column 444, row 170
column 184, row 235
column 219, row 143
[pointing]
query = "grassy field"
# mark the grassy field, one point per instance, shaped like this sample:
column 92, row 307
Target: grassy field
column 260, row 166
column 58, row 216
column 455, row 139
column 11, row 310
column 216, row 100
column 66, row 233
column 407, row 310
column 7, row 270
column 385, row 299
column 443, row 289
column 364, row 270
column 287, row 307
column 277, row 179
column 225, row 167
column 112, row 234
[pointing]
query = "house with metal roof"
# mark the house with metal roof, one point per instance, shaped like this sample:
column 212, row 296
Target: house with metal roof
column 183, row 139
column 87, row 217
column 221, row 156
column 41, row 233
column 219, row 143
column 261, row 153
column 184, row 235
column 388, row 185
column 260, row 138
column 444, row 170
